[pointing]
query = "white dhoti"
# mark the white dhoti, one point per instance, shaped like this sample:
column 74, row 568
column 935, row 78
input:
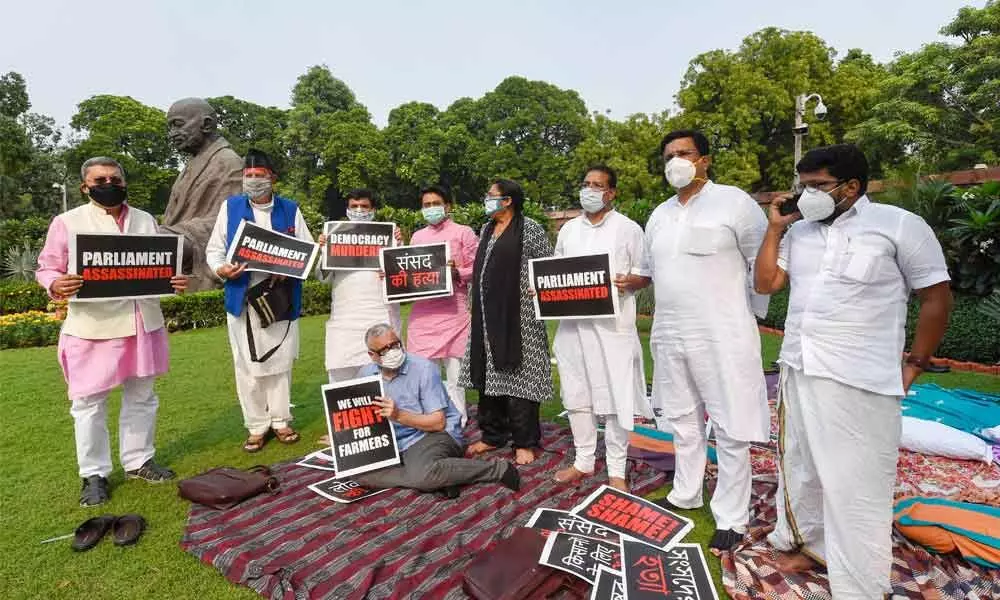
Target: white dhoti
column 136, row 428
column 837, row 470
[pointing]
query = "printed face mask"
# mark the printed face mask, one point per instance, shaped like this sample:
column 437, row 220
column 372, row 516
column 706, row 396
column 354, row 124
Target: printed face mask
column 108, row 194
column 433, row 214
column 680, row 172
column 255, row 187
column 816, row 205
column 393, row 359
column 591, row 200
column 356, row 214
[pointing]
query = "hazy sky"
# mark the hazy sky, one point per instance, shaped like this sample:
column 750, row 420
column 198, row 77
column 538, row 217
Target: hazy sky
column 627, row 56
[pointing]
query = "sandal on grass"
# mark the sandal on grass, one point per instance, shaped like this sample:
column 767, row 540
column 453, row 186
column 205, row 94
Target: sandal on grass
column 286, row 435
column 254, row 443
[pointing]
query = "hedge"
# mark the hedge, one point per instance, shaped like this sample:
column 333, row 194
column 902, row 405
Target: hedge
column 21, row 296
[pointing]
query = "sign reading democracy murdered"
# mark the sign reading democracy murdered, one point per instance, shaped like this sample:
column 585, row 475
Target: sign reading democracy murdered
column 361, row 439
column 416, row 272
column 355, row 246
column 124, row 266
column 573, row 287
column 633, row 517
column 271, row 252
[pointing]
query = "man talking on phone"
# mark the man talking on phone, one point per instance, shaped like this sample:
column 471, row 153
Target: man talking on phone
column 851, row 264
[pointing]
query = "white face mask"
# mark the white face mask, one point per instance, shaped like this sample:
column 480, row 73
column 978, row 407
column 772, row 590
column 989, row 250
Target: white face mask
column 354, row 214
column 591, row 200
column 816, row 205
column 680, row 172
column 393, row 359
column 255, row 187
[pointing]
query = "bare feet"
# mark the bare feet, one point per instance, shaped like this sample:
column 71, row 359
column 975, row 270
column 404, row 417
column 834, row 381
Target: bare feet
column 324, row 440
column 523, row 456
column 618, row 483
column 794, row 562
column 478, row 448
column 570, row 475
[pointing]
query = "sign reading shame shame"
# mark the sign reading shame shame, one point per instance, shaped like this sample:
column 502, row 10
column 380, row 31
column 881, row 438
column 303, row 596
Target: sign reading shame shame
column 124, row 266
column 354, row 245
column 271, row 252
column 361, row 439
column 573, row 287
column 634, row 517
column 416, row 272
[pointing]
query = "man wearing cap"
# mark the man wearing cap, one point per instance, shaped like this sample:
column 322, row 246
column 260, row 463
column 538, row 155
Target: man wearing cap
column 263, row 385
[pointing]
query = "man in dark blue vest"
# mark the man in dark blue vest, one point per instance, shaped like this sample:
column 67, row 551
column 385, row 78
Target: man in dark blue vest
column 262, row 384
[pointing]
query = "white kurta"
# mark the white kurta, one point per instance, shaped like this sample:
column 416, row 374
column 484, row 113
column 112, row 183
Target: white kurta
column 355, row 305
column 704, row 334
column 264, row 339
column 600, row 360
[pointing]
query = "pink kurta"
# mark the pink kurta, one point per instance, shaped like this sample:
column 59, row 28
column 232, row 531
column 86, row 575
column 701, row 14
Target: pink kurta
column 439, row 328
column 96, row 366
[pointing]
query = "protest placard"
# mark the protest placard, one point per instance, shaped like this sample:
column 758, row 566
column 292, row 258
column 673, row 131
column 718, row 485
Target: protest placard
column 416, row 272
column 633, row 517
column 320, row 459
column 355, row 246
column 573, row 287
column 609, row 585
column 344, row 491
column 361, row 439
column 271, row 252
column 652, row 574
column 124, row 266
column 580, row 555
column 551, row 519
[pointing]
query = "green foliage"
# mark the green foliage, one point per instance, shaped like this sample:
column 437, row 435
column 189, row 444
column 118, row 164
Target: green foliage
column 247, row 125
column 991, row 307
column 472, row 214
column 21, row 263
column 973, row 240
column 205, row 309
column 16, row 233
column 21, row 296
column 28, row 329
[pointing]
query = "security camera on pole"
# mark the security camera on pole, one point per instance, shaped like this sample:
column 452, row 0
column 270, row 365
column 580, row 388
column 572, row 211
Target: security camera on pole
column 801, row 128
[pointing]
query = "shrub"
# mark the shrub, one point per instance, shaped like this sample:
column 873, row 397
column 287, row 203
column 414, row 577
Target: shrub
column 21, row 296
column 20, row 232
column 27, row 329
column 205, row 309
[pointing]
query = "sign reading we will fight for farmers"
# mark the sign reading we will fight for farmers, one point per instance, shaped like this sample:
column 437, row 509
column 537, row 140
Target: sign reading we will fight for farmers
column 124, row 266
column 271, row 252
column 361, row 439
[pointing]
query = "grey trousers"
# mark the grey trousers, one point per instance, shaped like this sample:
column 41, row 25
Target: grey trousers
column 433, row 463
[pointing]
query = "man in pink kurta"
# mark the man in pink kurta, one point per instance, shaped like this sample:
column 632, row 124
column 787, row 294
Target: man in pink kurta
column 107, row 343
column 439, row 328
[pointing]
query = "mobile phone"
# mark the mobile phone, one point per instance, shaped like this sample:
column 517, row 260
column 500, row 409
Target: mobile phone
column 790, row 206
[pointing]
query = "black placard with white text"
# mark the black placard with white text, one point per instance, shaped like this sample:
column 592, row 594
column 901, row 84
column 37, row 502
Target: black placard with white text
column 573, row 287
column 633, row 517
column 580, row 555
column 344, row 491
column 609, row 585
column 551, row 519
column 361, row 439
column 416, row 272
column 124, row 266
column 680, row 572
column 355, row 246
column 271, row 252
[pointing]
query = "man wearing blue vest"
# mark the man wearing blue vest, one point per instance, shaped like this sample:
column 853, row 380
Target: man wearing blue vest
column 262, row 384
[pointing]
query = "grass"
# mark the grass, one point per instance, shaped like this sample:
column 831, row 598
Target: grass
column 199, row 427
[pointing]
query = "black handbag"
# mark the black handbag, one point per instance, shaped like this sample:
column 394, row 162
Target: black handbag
column 272, row 301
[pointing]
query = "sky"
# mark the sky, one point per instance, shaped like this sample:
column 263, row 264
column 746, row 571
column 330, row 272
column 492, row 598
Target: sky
column 622, row 56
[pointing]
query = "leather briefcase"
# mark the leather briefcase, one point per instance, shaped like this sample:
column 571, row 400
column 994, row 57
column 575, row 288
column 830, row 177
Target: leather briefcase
column 510, row 571
column 225, row 487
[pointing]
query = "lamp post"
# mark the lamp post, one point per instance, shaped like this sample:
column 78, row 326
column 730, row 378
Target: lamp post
column 62, row 186
column 801, row 128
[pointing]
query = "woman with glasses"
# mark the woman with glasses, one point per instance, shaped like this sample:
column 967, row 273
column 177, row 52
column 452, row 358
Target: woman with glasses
column 507, row 357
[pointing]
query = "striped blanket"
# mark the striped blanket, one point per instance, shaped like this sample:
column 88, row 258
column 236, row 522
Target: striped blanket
column 400, row 544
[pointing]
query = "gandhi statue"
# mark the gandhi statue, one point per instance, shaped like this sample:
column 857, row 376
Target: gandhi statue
column 213, row 173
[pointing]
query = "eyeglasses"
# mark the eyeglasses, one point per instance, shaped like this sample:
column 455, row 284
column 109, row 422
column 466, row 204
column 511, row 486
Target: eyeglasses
column 487, row 198
column 818, row 186
column 112, row 180
column 391, row 346
column 594, row 186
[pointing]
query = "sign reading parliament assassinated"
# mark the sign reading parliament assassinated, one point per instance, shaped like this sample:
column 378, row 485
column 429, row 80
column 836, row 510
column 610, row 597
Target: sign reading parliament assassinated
column 416, row 272
column 355, row 246
column 271, row 252
column 124, row 266
column 361, row 439
column 634, row 517
column 573, row 287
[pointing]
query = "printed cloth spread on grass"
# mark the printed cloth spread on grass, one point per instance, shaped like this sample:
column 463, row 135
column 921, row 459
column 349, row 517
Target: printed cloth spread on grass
column 400, row 544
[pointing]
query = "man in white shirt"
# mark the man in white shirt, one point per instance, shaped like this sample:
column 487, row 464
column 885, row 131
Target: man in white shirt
column 851, row 264
column 700, row 248
column 600, row 360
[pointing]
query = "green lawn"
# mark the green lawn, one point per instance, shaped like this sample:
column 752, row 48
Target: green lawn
column 199, row 427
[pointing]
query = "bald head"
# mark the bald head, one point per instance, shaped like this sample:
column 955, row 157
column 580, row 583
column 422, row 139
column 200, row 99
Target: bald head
column 191, row 125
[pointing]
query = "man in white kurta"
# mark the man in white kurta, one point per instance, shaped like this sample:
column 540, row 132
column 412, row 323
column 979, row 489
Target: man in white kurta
column 851, row 264
column 700, row 248
column 600, row 360
column 264, row 388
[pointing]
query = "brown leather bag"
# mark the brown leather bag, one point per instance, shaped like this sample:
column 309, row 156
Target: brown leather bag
column 225, row 487
column 510, row 571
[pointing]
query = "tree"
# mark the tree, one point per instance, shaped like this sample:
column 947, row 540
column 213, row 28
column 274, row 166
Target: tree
column 134, row 134
column 938, row 106
column 247, row 125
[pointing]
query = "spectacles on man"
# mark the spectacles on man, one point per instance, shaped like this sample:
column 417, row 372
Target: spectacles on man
column 390, row 346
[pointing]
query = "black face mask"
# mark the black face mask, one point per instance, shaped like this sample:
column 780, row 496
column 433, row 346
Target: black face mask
column 108, row 194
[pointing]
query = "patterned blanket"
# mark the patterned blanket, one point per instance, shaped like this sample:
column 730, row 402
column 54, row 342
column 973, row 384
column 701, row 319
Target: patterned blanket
column 400, row 544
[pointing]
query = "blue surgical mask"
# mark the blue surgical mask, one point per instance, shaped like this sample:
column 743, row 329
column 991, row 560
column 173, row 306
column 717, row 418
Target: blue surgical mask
column 493, row 204
column 354, row 214
column 433, row 214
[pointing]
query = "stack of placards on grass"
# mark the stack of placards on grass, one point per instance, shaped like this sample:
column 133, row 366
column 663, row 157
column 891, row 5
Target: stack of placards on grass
column 337, row 489
column 627, row 547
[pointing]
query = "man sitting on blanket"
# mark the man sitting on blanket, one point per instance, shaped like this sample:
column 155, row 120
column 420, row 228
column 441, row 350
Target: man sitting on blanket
column 427, row 425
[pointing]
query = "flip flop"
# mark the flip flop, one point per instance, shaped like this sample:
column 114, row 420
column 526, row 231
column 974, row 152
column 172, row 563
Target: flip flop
column 90, row 532
column 128, row 529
